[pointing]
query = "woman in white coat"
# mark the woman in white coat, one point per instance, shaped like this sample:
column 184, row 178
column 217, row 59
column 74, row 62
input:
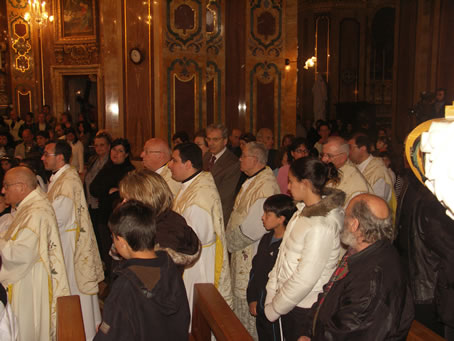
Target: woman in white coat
column 310, row 247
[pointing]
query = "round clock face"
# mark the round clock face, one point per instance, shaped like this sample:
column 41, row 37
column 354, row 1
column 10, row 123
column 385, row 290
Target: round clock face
column 136, row 56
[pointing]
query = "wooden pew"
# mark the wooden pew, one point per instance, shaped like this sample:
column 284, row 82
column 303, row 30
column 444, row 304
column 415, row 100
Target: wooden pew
column 212, row 314
column 70, row 324
column 419, row 332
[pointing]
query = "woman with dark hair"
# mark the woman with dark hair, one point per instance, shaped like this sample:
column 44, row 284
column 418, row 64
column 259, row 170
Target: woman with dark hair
column 77, row 157
column 245, row 139
column 310, row 248
column 296, row 150
column 104, row 187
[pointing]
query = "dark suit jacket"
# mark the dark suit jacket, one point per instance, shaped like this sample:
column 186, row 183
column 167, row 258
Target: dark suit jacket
column 226, row 173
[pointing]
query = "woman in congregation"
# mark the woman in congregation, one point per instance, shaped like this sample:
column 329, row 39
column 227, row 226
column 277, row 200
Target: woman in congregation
column 298, row 149
column 173, row 234
column 310, row 247
column 77, row 157
column 104, row 187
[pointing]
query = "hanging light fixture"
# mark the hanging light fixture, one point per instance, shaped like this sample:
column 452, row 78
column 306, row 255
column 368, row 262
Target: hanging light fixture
column 38, row 13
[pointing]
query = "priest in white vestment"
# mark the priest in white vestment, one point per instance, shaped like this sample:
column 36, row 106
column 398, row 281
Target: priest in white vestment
column 82, row 259
column 199, row 203
column 33, row 270
column 245, row 228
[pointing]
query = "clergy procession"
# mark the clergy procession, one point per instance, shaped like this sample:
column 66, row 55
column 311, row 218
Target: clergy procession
column 297, row 241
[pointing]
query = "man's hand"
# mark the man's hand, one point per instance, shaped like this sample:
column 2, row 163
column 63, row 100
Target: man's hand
column 253, row 308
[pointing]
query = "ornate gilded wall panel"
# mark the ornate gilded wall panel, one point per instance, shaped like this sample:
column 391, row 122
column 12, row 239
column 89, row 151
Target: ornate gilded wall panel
column 21, row 47
column 268, row 46
column 23, row 58
column 265, row 28
column 184, row 105
column 184, row 25
column 193, row 56
column 265, row 97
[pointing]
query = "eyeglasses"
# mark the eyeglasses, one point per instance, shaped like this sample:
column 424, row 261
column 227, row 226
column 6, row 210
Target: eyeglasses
column 329, row 156
column 6, row 186
column 301, row 151
column 214, row 139
column 152, row 151
column 46, row 154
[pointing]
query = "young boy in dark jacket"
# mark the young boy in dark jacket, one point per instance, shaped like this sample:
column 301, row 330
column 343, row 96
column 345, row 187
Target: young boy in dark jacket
column 148, row 300
column 278, row 209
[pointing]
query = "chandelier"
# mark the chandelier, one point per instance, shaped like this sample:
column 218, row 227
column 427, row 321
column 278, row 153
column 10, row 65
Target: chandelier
column 38, row 13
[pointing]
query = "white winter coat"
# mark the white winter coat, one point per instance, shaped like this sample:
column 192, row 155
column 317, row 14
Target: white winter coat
column 307, row 257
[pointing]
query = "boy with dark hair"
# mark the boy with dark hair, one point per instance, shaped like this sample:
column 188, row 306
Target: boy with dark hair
column 278, row 209
column 148, row 299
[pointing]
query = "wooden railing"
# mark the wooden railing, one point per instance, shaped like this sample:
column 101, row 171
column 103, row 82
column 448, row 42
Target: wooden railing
column 70, row 324
column 419, row 332
column 212, row 314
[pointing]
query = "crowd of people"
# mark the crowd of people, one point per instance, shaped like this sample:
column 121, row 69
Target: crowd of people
column 324, row 238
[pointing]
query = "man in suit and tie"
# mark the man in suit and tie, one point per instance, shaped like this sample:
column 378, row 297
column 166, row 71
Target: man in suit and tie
column 223, row 165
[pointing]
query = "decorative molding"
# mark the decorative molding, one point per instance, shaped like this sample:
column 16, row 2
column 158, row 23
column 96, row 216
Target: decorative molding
column 19, row 4
column 184, row 25
column 265, row 73
column 76, row 54
column 21, row 47
column 265, row 38
column 184, row 70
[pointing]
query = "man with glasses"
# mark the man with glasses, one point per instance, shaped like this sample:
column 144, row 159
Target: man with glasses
column 223, row 165
column 82, row 259
column 31, row 252
column 155, row 156
column 352, row 182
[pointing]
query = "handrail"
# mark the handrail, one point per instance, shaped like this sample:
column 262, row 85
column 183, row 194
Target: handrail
column 212, row 314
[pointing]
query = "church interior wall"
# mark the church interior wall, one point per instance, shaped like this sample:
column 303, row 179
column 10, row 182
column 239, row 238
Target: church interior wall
column 236, row 62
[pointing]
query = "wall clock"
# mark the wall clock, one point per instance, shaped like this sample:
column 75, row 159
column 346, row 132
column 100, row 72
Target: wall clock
column 136, row 56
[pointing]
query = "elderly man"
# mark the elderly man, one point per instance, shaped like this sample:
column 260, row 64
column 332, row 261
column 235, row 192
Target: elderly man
column 82, row 260
column 265, row 136
column 199, row 203
column 223, row 165
column 367, row 297
column 352, row 182
column 33, row 266
column 155, row 156
column 28, row 148
column 245, row 227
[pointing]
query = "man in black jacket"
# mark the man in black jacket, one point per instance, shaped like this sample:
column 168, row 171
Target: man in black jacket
column 426, row 244
column 367, row 297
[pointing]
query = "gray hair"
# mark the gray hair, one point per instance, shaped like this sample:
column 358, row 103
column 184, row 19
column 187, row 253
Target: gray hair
column 371, row 227
column 219, row 126
column 341, row 144
column 259, row 151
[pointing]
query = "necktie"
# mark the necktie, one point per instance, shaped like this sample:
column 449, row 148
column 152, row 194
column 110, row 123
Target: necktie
column 212, row 161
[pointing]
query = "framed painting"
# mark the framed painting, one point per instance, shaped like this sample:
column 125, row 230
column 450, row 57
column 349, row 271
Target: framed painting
column 76, row 21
